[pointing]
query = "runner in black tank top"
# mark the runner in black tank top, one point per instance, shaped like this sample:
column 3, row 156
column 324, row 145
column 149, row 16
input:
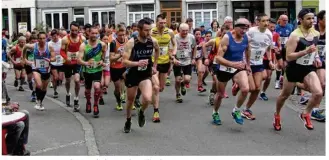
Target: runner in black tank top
column 137, row 58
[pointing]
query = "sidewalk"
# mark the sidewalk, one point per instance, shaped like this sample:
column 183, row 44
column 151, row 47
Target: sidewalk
column 53, row 131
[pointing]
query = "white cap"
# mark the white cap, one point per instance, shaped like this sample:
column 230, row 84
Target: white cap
column 228, row 18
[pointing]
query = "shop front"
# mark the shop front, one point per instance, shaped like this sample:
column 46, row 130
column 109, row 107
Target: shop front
column 283, row 7
column 247, row 9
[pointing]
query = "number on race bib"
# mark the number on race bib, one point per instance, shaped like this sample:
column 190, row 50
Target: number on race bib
column 283, row 40
column 227, row 69
column 59, row 59
column 18, row 60
column 73, row 56
column 107, row 59
column 163, row 50
column 142, row 68
column 41, row 63
column 181, row 54
column 306, row 60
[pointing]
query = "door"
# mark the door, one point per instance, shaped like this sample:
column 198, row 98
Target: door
column 276, row 12
column 172, row 16
column 80, row 19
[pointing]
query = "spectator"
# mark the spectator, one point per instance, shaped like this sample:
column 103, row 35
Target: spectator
column 214, row 28
column 189, row 21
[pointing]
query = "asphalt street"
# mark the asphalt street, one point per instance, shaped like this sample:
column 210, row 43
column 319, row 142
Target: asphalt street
column 185, row 129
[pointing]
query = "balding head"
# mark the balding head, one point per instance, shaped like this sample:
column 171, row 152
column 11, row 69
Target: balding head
column 283, row 20
column 242, row 21
column 183, row 29
column 21, row 41
column 241, row 27
column 183, row 26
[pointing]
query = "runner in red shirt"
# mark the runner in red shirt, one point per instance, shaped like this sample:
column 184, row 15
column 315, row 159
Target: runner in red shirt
column 69, row 51
column 276, row 47
column 15, row 56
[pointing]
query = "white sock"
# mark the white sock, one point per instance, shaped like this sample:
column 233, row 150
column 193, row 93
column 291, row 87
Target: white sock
column 76, row 98
column 68, row 94
column 316, row 109
column 213, row 111
column 236, row 109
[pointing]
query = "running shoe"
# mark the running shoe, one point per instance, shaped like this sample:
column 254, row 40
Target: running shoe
column 16, row 83
column 237, row 117
column 20, row 88
column 235, row 89
column 33, row 97
column 51, row 85
column 277, row 85
column 201, row 89
column 179, row 98
column 119, row 107
column 182, row 89
column 88, row 107
column 123, row 97
column 42, row 108
column 96, row 111
column 168, row 82
column 306, row 118
column 127, row 127
column 37, row 106
column 55, row 95
column 187, row 85
column 137, row 103
column 318, row 116
column 303, row 100
column 141, row 118
column 76, row 106
column 68, row 99
column 247, row 113
column 216, row 119
column 277, row 122
column 263, row 97
column 225, row 95
column 101, row 101
column 156, row 117
column 211, row 98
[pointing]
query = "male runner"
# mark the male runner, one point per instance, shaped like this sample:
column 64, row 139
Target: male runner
column 28, row 67
column 276, row 47
column 56, row 66
column 233, row 46
column 117, row 69
column 164, row 36
column 183, row 60
column 301, row 54
column 260, row 39
column 91, row 56
column 138, row 58
column 69, row 51
column 284, row 29
column 43, row 54
column 15, row 56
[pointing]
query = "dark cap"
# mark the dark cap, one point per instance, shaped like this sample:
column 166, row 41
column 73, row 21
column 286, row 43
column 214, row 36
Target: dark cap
column 303, row 12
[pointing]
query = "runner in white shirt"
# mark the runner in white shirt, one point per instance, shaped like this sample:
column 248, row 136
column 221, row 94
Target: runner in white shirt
column 56, row 66
column 105, row 82
column 260, row 43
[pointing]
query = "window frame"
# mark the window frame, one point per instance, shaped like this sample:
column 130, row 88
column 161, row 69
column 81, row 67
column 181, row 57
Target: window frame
column 51, row 12
column 141, row 13
column 202, row 12
column 99, row 12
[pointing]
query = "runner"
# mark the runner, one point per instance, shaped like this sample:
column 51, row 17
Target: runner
column 43, row 54
column 301, row 54
column 284, row 29
column 260, row 39
column 15, row 56
column 164, row 36
column 29, row 59
column 199, row 57
column 183, row 60
column 91, row 56
column 117, row 68
column 275, row 51
column 105, row 81
column 69, row 50
column 57, row 66
column 233, row 46
column 138, row 58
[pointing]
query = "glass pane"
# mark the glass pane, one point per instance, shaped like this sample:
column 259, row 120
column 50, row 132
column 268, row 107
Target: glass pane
column 152, row 16
column 198, row 19
column 209, row 6
column 48, row 20
column 65, row 20
column 105, row 18
column 214, row 15
column 206, row 19
column 135, row 8
column 111, row 18
column 146, row 15
column 194, row 6
column 171, row 4
column 172, row 14
column 178, row 19
column 131, row 19
column 94, row 17
column 173, row 20
column 190, row 15
column 79, row 11
column 81, row 21
column 241, row 4
column 56, row 20
column 178, row 13
column 137, row 17
column 148, row 7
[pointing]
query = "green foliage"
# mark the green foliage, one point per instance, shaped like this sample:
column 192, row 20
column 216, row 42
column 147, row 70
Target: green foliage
column 42, row 27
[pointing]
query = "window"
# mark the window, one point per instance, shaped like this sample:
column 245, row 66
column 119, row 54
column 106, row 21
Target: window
column 137, row 12
column 204, row 12
column 55, row 19
column 103, row 16
column 79, row 16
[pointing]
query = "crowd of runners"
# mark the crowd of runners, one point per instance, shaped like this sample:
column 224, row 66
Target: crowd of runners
column 139, row 59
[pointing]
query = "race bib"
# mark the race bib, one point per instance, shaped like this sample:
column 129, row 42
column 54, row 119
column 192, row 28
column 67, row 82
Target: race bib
column 322, row 50
column 182, row 54
column 41, row 64
column 93, row 65
column 30, row 58
column 107, row 60
column 163, row 50
column 142, row 68
column 256, row 56
column 283, row 40
column 59, row 59
column 72, row 55
column 306, row 60
column 227, row 69
column 198, row 53
column 18, row 60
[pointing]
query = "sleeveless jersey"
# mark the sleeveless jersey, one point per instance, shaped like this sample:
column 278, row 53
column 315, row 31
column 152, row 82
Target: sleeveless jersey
column 235, row 52
column 73, row 49
column 164, row 41
column 142, row 51
column 57, row 49
column 322, row 47
column 308, row 59
column 40, row 63
column 214, row 50
column 93, row 53
column 118, row 48
column 107, row 59
column 18, row 55
column 199, row 49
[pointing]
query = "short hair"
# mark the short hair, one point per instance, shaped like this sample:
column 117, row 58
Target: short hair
column 133, row 25
column 272, row 20
column 228, row 18
column 87, row 26
column 53, row 32
column 321, row 15
column 42, row 32
column 34, row 37
column 22, row 38
column 189, row 20
column 160, row 16
column 183, row 25
column 196, row 30
column 149, row 19
column 102, row 35
column 142, row 22
column 20, row 34
column 94, row 28
column 259, row 16
column 96, row 24
column 74, row 23
column 208, row 32
column 121, row 28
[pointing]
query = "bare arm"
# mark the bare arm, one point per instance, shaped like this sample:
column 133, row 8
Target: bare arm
column 173, row 42
column 127, row 53
column 157, row 51
column 52, row 54
column 113, row 56
column 81, row 55
column 291, row 47
column 10, row 53
column 247, row 52
column 222, row 48
column 63, row 47
column 26, row 47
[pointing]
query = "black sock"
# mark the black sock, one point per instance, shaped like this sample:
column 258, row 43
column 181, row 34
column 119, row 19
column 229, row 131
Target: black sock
column 129, row 119
column 212, row 91
column 117, row 97
column 156, row 110
column 278, row 73
column 38, row 93
column 282, row 72
column 138, row 94
column 22, row 81
column 31, row 85
column 182, row 84
column 43, row 94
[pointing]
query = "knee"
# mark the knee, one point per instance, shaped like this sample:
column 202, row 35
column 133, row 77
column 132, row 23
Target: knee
column 318, row 94
column 187, row 80
column 147, row 99
column 156, row 89
column 244, row 90
column 257, row 88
